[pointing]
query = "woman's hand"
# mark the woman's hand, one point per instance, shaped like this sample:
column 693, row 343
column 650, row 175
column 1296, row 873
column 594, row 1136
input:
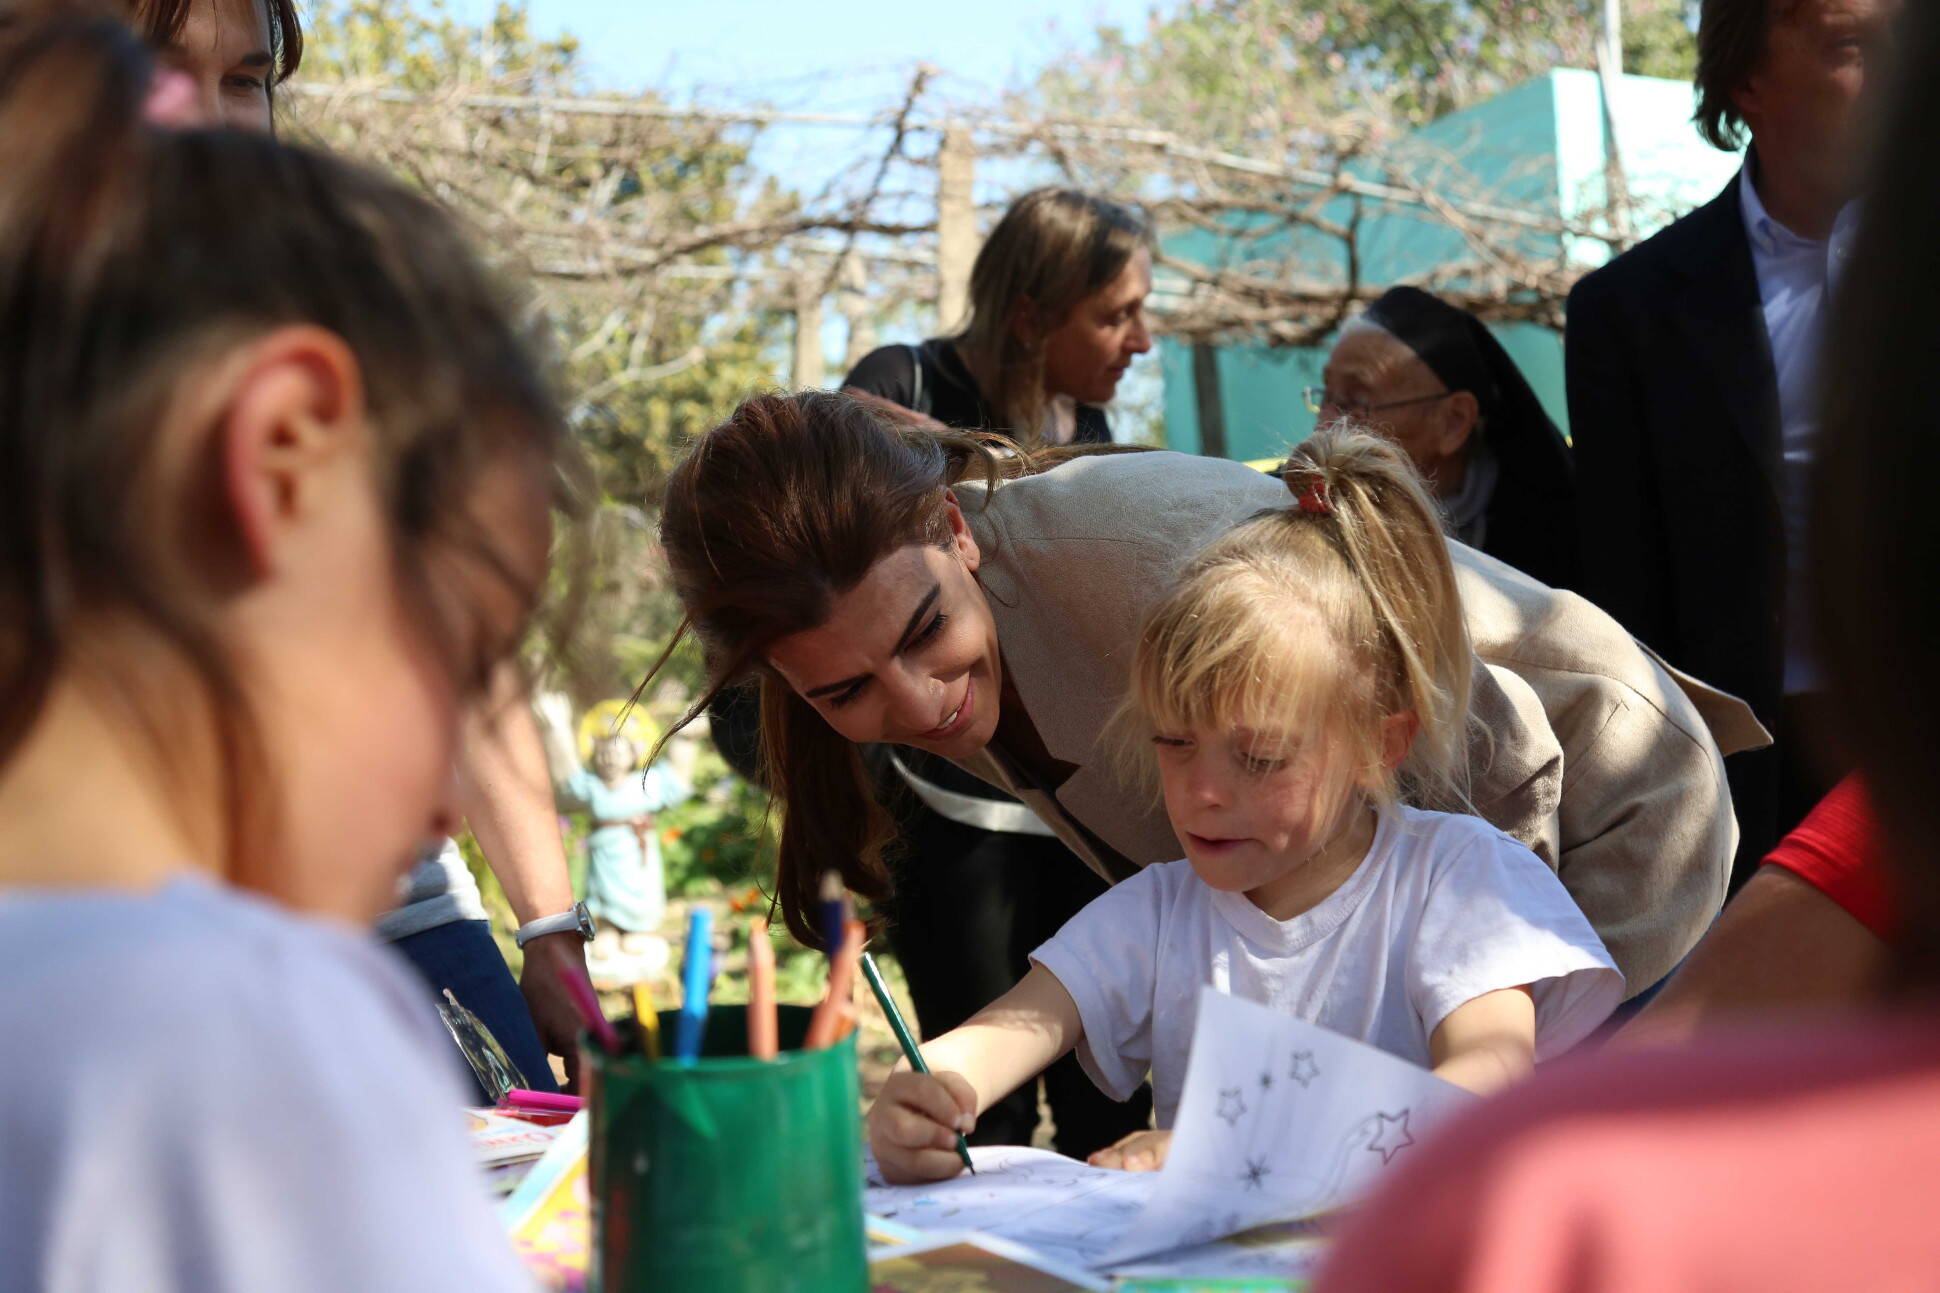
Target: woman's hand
column 914, row 1124
column 1142, row 1151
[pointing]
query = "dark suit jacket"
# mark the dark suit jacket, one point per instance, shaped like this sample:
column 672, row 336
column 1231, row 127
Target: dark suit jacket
column 1674, row 413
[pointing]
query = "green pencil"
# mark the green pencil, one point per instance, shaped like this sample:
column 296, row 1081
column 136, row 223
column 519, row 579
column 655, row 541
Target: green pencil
column 903, row 1038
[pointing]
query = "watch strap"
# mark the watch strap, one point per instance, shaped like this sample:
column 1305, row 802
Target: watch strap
column 574, row 919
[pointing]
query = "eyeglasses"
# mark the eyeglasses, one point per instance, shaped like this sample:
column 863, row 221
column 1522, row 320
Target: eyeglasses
column 1319, row 397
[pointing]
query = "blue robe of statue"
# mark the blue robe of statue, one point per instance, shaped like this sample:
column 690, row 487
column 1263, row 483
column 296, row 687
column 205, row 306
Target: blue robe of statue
column 624, row 884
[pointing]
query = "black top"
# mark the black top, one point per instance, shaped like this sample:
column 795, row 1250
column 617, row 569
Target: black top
column 932, row 378
column 1531, row 522
column 1674, row 409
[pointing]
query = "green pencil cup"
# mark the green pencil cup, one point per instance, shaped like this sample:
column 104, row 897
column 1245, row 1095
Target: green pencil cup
column 727, row 1173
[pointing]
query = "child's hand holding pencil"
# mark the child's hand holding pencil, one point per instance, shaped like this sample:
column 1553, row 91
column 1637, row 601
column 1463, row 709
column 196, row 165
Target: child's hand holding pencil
column 917, row 1123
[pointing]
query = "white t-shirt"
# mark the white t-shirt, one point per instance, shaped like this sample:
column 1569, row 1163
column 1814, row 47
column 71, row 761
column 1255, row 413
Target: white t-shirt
column 1443, row 909
column 205, row 1093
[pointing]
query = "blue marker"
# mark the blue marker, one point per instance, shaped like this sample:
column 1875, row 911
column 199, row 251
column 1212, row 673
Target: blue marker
column 696, row 977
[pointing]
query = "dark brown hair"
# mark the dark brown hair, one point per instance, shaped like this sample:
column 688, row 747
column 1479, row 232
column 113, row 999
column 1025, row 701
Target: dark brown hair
column 1052, row 249
column 1876, row 531
column 161, row 21
column 1732, row 38
column 768, row 519
column 129, row 256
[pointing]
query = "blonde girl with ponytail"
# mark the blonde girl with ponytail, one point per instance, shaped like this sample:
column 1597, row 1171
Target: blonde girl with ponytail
column 1303, row 691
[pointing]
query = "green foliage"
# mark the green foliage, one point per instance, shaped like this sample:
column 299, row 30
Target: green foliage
column 425, row 48
column 719, row 839
column 1244, row 72
column 1659, row 38
column 612, row 221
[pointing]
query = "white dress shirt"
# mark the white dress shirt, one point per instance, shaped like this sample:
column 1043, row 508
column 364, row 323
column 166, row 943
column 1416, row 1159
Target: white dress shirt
column 1794, row 275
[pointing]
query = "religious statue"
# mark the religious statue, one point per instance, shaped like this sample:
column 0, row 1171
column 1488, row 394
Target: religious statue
column 626, row 888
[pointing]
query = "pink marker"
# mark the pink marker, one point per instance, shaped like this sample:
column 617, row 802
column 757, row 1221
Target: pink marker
column 541, row 1101
column 580, row 989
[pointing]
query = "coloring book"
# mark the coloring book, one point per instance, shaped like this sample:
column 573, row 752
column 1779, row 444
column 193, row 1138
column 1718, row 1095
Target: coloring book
column 1279, row 1120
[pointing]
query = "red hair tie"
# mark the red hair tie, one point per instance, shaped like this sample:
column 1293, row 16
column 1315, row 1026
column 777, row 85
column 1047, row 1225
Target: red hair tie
column 1313, row 499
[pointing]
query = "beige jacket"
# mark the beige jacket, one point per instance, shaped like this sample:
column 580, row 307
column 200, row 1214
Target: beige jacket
column 1603, row 761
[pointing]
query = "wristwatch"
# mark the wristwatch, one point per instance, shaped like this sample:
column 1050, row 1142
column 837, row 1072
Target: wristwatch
column 578, row 918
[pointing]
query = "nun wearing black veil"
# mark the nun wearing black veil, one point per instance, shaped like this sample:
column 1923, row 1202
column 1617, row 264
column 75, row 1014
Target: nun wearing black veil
column 1433, row 379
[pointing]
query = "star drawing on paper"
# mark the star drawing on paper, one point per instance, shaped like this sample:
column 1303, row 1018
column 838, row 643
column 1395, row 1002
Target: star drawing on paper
column 1303, row 1070
column 1391, row 1135
column 1254, row 1177
column 1230, row 1105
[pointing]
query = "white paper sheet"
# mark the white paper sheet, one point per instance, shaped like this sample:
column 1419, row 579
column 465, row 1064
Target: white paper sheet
column 1279, row 1119
column 1067, row 1210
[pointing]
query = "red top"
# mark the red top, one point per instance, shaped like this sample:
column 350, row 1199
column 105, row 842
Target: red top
column 1836, row 850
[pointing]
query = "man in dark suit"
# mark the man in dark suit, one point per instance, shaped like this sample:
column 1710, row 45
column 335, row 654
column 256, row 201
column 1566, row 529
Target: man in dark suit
column 1692, row 384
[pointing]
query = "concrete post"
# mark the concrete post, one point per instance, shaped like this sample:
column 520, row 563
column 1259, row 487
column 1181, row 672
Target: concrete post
column 956, row 228
column 809, row 371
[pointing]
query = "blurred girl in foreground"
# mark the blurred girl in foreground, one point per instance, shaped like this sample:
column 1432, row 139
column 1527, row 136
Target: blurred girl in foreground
column 275, row 484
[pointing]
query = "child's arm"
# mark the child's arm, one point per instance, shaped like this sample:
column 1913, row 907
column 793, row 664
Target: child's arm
column 914, row 1122
column 1488, row 1042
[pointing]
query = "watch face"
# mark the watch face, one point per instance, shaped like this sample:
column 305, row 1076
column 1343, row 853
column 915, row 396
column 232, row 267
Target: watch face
column 585, row 921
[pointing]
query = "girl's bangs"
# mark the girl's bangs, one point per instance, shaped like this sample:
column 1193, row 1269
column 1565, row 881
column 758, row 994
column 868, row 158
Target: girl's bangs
column 1241, row 661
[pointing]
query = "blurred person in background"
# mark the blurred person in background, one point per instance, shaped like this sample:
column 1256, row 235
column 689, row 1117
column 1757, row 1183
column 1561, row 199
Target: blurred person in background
column 1675, row 1168
column 1694, row 392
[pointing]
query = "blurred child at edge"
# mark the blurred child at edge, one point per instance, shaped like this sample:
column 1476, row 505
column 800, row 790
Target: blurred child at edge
column 275, row 482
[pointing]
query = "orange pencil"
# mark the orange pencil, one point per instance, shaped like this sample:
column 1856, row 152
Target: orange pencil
column 824, row 1026
column 764, row 1034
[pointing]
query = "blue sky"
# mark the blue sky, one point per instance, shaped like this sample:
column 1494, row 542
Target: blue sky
column 786, row 50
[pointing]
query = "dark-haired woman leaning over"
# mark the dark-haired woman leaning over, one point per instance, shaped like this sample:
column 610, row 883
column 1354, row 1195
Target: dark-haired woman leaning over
column 1057, row 313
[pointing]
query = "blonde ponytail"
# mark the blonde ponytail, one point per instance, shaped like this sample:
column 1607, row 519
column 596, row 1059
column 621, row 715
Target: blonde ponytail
column 1322, row 617
column 1389, row 531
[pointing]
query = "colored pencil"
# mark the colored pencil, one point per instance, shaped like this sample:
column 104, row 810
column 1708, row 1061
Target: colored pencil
column 648, row 1019
column 824, row 1026
column 587, row 1002
column 834, row 914
column 905, row 1038
column 697, row 974
column 764, row 1029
